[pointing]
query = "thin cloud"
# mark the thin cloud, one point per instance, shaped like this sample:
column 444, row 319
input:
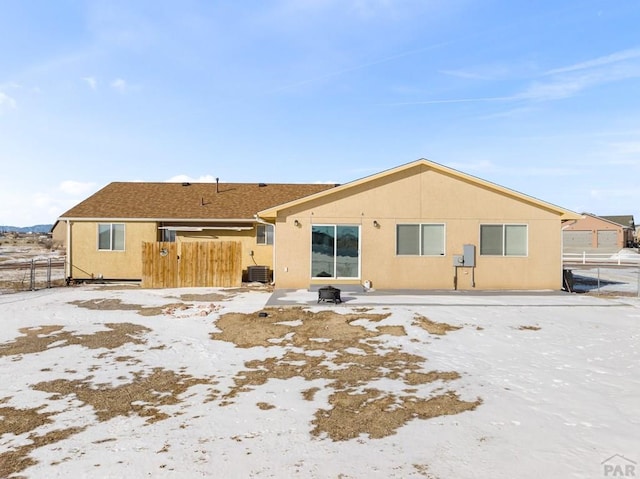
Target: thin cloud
column 76, row 188
column 92, row 82
column 454, row 100
column 602, row 194
column 119, row 84
column 360, row 66
column 598, row 62
column 485, row 73
column 566, row 86
column 6, row 102
column 189, row 179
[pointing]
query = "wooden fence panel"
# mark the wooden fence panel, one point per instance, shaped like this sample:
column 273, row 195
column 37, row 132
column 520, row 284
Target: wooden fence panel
column 159, row 265
column 210, row 263
column 192, row 264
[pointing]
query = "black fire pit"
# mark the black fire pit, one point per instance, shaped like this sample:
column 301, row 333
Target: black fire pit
column 329, row 293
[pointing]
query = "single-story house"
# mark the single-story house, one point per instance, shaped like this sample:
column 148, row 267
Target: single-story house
column 420, row 225
column 599, row 233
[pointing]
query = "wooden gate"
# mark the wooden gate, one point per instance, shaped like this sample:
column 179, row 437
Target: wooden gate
column 215, row 264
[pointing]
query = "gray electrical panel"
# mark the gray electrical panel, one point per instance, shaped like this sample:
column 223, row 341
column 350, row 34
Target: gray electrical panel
column 469, row 255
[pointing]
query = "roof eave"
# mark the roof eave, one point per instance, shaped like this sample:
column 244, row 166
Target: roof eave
column 184, row 220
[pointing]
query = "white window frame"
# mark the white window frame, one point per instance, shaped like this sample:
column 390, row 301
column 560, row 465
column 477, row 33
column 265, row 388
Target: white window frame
column 112, row 233
column 265, row 238
column 504, row 240
column 420, row 239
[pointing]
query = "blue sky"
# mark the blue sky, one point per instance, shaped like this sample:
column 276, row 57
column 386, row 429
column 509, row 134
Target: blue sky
column 542, row 97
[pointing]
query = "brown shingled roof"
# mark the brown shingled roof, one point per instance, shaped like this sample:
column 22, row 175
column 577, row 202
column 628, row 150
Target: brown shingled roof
column 188, row 201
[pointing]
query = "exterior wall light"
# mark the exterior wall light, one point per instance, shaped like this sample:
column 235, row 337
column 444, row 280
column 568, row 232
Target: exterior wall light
column 376, row 224
column 296, row 223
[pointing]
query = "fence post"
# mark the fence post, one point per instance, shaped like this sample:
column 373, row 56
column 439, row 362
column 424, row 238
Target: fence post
column 32, row 276
column 49, row 273
column 584, row 257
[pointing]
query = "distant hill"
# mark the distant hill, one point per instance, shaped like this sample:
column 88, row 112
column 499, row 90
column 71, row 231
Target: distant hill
column 26, row 229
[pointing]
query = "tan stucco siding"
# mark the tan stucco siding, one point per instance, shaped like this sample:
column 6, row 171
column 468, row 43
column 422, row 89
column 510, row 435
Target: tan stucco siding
column 424, row 197
column 262, row 253
column 87, row 261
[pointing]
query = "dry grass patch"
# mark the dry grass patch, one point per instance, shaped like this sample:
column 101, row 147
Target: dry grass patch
column 529, row 328
column 334, row 330
column 379, row 414
column 143, row 396
column 432, row 327
column 352, row 357
column 18, row 421
column 16, row 460
column 205, row 297
column 38, row 339
column 114, row 304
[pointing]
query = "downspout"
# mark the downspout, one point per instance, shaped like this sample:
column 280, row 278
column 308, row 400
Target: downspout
column 67, row 265
column 273, row 260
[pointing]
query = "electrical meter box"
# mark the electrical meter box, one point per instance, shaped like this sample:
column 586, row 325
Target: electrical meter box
column 469, row 255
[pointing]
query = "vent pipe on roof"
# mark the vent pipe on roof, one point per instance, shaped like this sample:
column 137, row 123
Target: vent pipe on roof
column 217, row 180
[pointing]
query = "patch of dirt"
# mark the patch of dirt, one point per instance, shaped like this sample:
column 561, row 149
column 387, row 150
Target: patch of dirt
column 118, row 305
column 18, row 459
column 432, row 327
column 143, row 396
column 331, row 330
column 35, row 340
column 310, row 393
column 351, row 358
column 529, row 328
column 204, row 297
column 346, row 352
column 18, row 421
column 379, row 414
column 179, row 310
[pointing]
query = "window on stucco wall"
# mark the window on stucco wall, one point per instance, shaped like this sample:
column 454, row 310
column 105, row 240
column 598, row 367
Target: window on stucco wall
column 111, row 236
column 264, row 234
column 335, row 251
column 503, row 240
column 420, row 239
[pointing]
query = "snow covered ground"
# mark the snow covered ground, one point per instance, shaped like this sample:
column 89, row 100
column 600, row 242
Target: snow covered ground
column 109, row 382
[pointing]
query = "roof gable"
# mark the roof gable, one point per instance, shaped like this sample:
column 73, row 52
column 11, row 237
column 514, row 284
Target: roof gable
column 563, row 213
column 626, row 221
column 187, row 201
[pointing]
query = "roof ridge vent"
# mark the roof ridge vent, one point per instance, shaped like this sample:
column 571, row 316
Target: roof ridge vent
column 186, row 183
column 262, row 185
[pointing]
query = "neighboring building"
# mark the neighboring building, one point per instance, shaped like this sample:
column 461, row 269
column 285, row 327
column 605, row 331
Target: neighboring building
column 599, row 233
column 58, row 235
column 628, row 224
column 417, row 226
